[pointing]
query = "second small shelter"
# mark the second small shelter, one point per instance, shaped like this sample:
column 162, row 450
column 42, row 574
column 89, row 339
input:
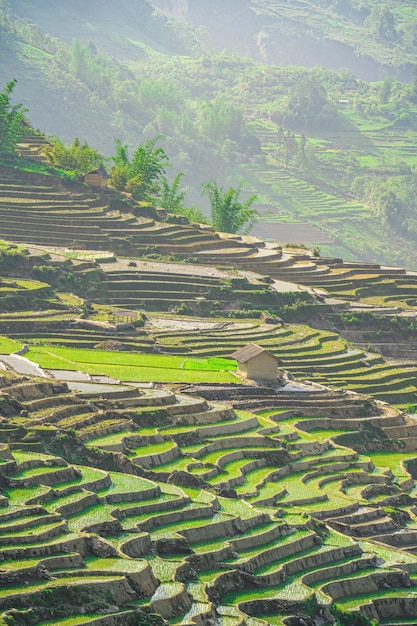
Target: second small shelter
column 256, row 363
column 97, row 178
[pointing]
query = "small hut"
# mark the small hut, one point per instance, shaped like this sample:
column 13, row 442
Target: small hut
column 123, row 317
column 256, row 363
column 97, row 178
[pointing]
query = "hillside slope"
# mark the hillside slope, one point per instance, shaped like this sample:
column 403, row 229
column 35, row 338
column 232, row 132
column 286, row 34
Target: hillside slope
column 321, row 148
column 127, row 31
column 310, row 32
column 126, row 501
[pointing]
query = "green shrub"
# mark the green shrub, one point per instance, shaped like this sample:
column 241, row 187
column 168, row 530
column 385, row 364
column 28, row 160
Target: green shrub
column 347, row 618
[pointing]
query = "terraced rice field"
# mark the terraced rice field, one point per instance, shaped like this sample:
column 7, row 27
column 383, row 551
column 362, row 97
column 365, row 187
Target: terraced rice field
column 265, row 526
column 208, row 499
column 351, row 226
column 134, row 367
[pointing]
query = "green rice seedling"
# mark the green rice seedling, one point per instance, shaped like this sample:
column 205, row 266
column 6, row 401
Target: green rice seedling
column 171, row 530
column 88, row 517
column 7, row 346
column 352, row 603
column 239, row 508
column 75, row 620
column 18, row 496
column 164, row 569
column 122, row 566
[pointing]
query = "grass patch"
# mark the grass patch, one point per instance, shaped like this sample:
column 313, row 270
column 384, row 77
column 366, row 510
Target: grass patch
column 135, row 367
column 7, row 346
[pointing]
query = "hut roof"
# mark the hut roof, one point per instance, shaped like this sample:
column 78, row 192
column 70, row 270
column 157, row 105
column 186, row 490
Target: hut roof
column 249, row 352
column 100, row 171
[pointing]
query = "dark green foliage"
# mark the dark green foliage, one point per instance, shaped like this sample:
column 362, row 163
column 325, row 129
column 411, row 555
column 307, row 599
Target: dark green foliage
column 11, row 258
column 77, row 157
column 172, row 198
column 210, row 107
column 219, row 120
column 381, row 24
column 393, row 324
column 347, row 618
column 228, row 214
column 306, row 106
column 141, row 175
column 11, row 121
column 46, row 273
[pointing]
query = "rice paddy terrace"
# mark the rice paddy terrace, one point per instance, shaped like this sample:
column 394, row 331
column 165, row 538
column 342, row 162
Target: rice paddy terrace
column 295, row 207
column 197, row 499
column 142, row 505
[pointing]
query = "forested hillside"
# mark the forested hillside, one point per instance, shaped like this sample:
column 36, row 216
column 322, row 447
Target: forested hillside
column 369, row 37
column 330, row 155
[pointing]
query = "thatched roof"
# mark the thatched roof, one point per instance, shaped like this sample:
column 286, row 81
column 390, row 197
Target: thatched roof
column 100, row 171
column 249, row 352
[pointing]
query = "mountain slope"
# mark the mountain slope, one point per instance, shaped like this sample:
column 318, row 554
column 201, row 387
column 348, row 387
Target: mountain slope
column 127, row 31
column 308, row 32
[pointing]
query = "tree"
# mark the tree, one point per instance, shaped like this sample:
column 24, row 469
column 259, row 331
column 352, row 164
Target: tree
column 172, row 198
column 306, row 106
column 218, row 120
column 228, row 214
column 77, row 157
column 381, row 23
column 11, row 121
column 142, row 175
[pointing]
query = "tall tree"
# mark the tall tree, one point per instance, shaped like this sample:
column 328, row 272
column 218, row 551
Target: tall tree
column 11, row 121
column 142, row 175
column 228, row 213
column 172, row 198
column 77, row 157
column 381, row 23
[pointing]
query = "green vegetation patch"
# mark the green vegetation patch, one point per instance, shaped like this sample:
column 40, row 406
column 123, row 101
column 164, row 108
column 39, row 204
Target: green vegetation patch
column 135, row 367
column 8, row 346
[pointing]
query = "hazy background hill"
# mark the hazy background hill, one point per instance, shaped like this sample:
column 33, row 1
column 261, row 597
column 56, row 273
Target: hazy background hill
column 334, row 34
column 270, row 91
column 127, row 29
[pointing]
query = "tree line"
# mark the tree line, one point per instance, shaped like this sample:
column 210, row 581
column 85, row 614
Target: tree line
column 143, row 175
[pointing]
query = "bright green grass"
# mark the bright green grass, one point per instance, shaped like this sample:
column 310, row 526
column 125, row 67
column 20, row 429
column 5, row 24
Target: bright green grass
column 134, row 367
column 126, row 483
column 392, row 460
column 217, row 544
column 115, row 565
column 18, row 496
column 351, row 603
column 391, row 556
column 129, row 520
column 22, row 456
column 164, row 569
column 245, row 555
column 136, row 360
column 96, row 514
column 53, row 583
column 89, row 475
column 40, row 528
column 198, row 592
column 154, row 448
column 171, row 530
column 8, row 524
column 19, row 564
column 76, row 620
column 253, row 478
column 39, row 471
column 176, row 464
column 111, row 439
column 52, row 505
column 7, row 346
column 237, row 507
